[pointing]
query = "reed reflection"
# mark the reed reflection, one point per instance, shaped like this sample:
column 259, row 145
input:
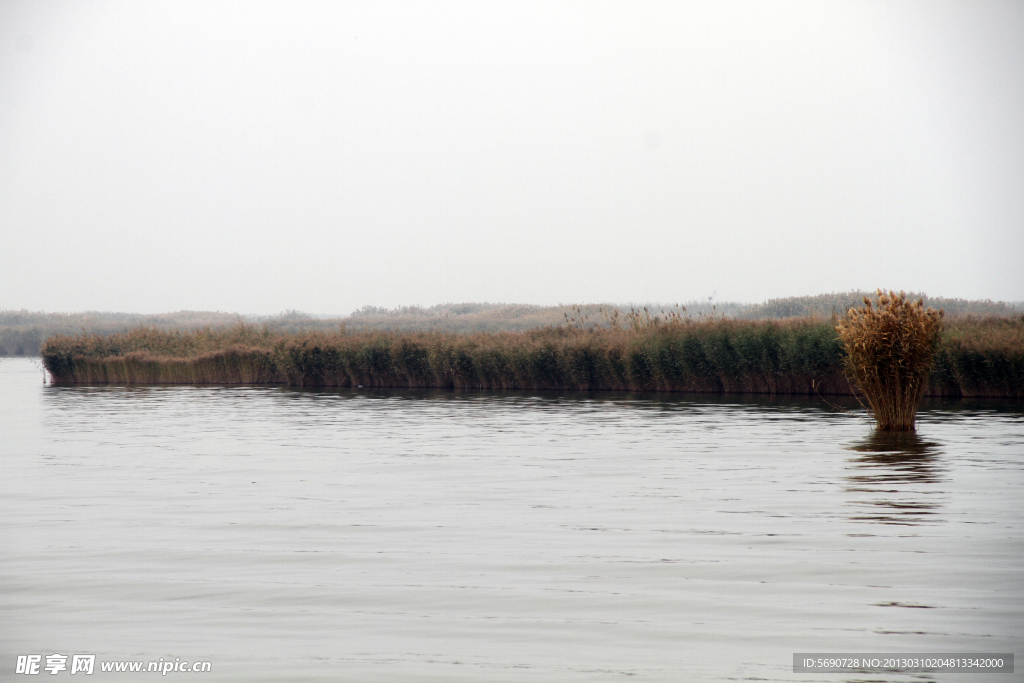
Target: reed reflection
column 895, row 478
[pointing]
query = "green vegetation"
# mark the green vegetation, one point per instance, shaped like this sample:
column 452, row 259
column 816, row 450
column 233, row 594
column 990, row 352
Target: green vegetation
column 637, row 351
column 890, row 350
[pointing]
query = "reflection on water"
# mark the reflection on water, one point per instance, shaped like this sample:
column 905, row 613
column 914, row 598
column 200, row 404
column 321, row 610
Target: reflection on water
column 897, row 458
column 896, row 479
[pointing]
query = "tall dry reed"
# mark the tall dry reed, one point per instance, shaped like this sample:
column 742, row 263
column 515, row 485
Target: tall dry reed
column 890, row 348
column 977, row 357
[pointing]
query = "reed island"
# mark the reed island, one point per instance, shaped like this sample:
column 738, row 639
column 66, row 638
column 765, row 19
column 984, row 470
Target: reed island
column 980, row 356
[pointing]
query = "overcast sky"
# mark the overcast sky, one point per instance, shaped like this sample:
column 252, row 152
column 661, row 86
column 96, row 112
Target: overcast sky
column 257, row 157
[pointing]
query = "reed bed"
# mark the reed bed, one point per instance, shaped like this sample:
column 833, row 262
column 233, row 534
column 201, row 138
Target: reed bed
column 980, row 356
column 984, row 357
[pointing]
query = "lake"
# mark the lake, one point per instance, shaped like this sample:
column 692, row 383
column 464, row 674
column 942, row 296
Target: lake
column 326, row 535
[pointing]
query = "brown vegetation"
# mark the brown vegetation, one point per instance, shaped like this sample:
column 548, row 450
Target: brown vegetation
column 890, row 350
column 634, row 352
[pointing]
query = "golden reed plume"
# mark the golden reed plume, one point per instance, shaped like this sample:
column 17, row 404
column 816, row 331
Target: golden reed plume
column 890, row 348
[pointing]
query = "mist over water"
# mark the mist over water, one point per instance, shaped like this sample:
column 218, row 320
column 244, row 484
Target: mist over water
column 406, row 535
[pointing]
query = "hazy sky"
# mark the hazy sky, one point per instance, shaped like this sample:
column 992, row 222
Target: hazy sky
column 257, row 157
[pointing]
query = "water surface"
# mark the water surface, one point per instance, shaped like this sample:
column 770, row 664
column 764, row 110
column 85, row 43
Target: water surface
column 287, row 534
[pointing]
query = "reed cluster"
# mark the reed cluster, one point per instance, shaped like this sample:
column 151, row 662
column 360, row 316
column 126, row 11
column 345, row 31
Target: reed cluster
column 710, row 356
column 890, row 348
column 639, row 352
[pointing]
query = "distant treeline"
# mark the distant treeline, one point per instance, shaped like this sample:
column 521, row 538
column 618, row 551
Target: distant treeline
column 22, row 332
column 484, row 317
column 826, row 305
column 977, row 357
